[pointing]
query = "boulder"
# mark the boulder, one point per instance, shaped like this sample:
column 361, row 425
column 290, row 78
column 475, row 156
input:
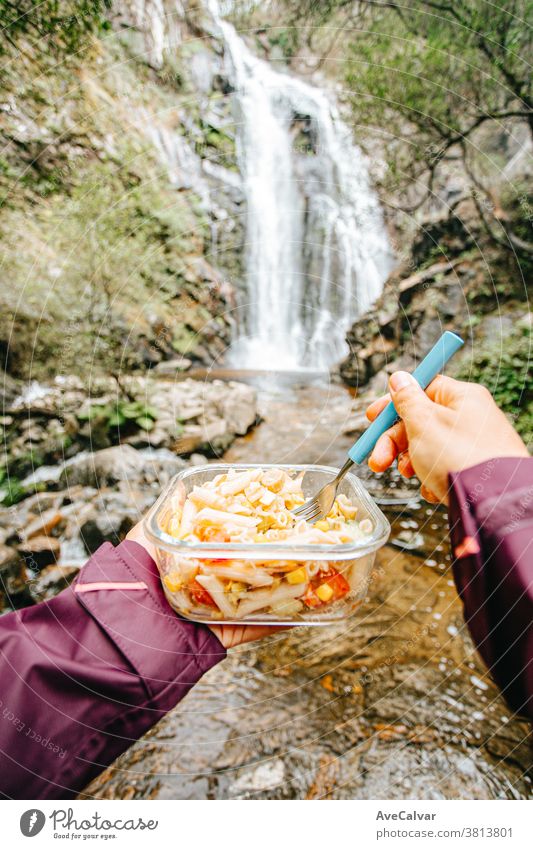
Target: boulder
column 239, row 407
column 109, row 518
column 103, row 468
column 160, row 465
column 105, row 527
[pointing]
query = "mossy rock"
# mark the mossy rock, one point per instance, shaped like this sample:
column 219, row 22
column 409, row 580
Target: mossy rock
column 184, row 340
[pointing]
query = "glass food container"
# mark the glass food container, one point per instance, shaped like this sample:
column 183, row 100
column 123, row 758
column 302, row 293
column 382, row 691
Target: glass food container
column 327, row 567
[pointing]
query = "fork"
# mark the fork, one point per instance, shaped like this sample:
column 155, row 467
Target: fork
column 319, row 506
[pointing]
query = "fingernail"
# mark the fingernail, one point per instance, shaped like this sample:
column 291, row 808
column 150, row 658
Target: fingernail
column 400, row 379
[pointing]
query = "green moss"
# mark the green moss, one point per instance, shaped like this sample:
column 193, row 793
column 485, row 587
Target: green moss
column 184, row 340
column 507, row 374
column 287, row 39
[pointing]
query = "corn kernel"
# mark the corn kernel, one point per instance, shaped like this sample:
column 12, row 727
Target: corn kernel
column 322, row 525
column 297, row 576
column 324, row 592
column 173, row 583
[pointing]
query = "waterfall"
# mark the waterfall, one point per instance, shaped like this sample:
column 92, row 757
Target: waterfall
column 317, row 253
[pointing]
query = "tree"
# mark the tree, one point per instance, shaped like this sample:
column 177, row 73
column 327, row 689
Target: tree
column 429, row 74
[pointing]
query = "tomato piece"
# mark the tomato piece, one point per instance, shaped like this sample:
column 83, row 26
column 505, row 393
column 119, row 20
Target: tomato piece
column 334, row 580
column 211, row 534
column 200, row 594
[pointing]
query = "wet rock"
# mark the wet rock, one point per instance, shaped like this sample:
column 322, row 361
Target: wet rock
column 13, row 581
column 356, row 424
column 9, row 558
column 160, row 465
column 40, row 551
column 50, row 581
column 47, row 475
column 9, row 389
column 171, row 367
column 54, row 424
column 110, row 521
column 103, row 468
column 409, row 541
column 44, row 524
column 202, row 415
column 197, row 459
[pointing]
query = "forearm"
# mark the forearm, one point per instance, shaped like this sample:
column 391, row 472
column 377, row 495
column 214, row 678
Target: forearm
column 86, row 674
column 491, row 523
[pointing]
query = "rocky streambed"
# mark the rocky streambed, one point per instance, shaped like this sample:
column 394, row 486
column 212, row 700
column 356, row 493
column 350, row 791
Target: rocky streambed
column 84, row 463
column 393, row 703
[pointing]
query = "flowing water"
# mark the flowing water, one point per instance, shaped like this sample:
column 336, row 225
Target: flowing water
column 317, row 253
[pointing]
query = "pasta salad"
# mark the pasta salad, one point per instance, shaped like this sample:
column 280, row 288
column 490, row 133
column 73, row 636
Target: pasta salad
column 255, row 507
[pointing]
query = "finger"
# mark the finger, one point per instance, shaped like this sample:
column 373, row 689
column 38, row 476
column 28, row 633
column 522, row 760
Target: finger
column 405, row 467
column 409, row 398
column 446, row 391
column 428, row 495
column 375, row 408
column 387, row 448
column 235, row 635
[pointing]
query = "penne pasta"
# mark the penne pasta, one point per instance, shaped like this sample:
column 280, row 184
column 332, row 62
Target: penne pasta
column 261, row 599
column 254, row 507
column 216, row 590
column 236, row 570
column 221, row 518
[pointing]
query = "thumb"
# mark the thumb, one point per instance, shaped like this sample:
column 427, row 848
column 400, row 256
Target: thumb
column 410, row 400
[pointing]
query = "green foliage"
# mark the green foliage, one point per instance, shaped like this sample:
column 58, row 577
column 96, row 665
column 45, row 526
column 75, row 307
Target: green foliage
column 11, row 491
column 506, row 372
column 59, row 26
column 109, row 244
column 287, row 39
column 428, row 74
column 95, row 260
column 122, row 416
column 11, row 474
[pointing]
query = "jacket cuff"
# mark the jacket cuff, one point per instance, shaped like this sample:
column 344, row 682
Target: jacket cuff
column 491, row 498
column 121, row 589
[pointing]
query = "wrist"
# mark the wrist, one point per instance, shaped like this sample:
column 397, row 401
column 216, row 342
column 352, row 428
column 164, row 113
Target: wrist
column 136, row 534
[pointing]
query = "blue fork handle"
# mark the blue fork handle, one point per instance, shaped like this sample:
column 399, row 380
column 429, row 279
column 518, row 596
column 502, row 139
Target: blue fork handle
column 433, row 363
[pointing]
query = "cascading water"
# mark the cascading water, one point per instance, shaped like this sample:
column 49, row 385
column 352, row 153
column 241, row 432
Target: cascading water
column 317, row 253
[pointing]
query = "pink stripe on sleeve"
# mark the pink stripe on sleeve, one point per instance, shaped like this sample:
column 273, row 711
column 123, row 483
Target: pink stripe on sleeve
column 110, row 585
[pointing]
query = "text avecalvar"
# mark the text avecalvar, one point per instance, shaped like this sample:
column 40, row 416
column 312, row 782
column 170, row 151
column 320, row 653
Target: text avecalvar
column 404, row 815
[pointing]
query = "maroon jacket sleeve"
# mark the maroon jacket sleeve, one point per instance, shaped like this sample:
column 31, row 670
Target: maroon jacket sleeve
column 86, row 674
column 491, row 523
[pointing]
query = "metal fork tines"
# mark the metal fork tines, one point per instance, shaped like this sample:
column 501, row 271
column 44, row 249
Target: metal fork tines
column 319, row 506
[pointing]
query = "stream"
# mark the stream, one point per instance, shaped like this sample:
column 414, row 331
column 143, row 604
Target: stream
column 392, row 703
